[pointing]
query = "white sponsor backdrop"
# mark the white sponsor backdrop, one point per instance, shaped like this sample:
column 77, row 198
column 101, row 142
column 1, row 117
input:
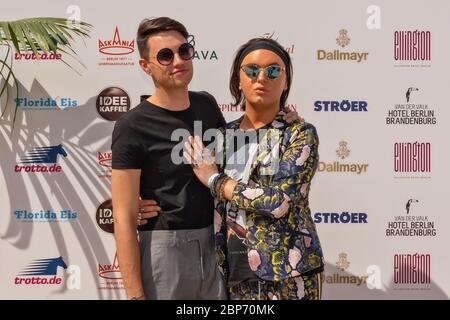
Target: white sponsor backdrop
column 353, row 251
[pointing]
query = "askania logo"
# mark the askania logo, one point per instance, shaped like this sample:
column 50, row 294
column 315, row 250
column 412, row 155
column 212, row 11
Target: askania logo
column 342, row 264
column 112, row 103
column 115, row 51
column 412, row 157
column 202, row 53
column 41, row 159
column 45, row 215
column 289, row 48
column 412, row 269
column 104, row 162
column 411, row 113
column 412, row 46
column 104, row 216
column 412, row 224
column 41, row 271
column 110, row 276
column 345, row 217
column 59, row 103
column 342, row 153
column 342, row 40
column 340, row 106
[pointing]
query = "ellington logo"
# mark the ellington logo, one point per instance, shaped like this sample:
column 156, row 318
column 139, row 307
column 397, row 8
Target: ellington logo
column 412, row 268
column 412, row 45
column 412, row 157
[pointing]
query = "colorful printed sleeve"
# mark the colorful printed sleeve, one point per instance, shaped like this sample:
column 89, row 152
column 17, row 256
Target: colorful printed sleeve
column 290, row 184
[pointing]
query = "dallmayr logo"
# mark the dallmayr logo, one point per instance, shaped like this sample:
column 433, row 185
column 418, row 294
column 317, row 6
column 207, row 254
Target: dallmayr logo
column 342, row 153
column 412, row 160
column 59, row 103
column 45, row 215
column 202, row 54
column 342, row 41
column 413, row 47
column 415, row 223
column 104, row 161
column 342, row 264
column 338, row 106
column 41, row 159
column 411, row 113
column 412, row 270
column 344, row 217
column 289, row 49
column 110, row 275
column 116, row 51
column 112, row 103
column 104, row 216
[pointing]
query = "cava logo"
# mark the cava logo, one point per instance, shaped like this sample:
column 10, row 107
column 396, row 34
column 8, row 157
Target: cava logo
column 412, row 46
column 342, row 153
column 110, row 276
column 116, row 51
column 411, row 225
column 202, row 54
column 411, row 113
column 104, row 216
column 342, row 264
column 41, row 159
column 45, row 215
column 412, row 157
column 411, row 269
column 342, row 40
column 104, row 161
column 112, row 103
column 289, row 49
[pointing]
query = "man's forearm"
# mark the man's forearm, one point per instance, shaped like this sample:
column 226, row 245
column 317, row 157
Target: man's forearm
column 129, row 258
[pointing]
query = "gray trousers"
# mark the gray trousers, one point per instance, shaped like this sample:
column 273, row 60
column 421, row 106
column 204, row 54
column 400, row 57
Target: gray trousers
column 180, row 265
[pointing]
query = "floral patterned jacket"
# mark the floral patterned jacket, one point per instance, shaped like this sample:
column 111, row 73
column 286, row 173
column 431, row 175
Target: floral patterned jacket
column 281, row 236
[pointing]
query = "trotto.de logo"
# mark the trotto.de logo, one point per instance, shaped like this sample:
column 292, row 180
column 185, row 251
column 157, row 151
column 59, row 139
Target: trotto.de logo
column 45, row 272
column 112, row 103
column 41, row 159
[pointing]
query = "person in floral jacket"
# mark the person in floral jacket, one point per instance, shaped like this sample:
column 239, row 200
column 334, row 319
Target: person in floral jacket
column 266, row 240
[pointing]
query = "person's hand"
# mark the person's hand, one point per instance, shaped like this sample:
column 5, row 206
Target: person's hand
column 200, row 158
column 291, row 115
column 147, row 209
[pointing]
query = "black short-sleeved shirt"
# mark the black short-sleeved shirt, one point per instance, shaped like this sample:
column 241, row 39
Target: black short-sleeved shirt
column 142, row 140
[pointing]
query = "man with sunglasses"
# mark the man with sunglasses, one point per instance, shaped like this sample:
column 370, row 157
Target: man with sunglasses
column 175, row 255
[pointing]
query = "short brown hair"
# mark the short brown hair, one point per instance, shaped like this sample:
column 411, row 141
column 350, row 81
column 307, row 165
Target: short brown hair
column 149, row 27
